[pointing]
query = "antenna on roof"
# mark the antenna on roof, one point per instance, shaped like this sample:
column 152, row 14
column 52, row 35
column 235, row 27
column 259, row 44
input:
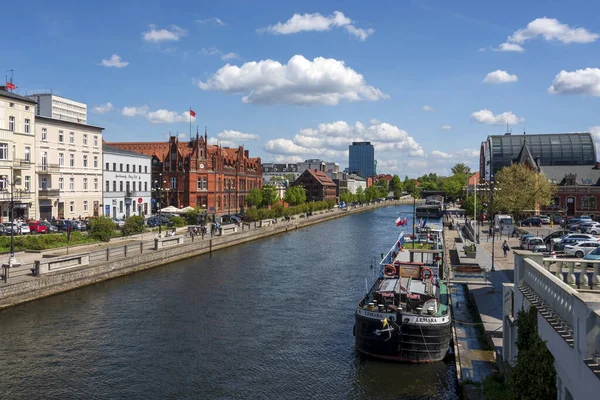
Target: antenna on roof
column 524, row 133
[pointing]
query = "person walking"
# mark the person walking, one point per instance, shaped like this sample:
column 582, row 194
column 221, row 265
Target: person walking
column 505, row 248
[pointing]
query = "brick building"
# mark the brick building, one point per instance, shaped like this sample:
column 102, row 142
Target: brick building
column 197, row 174
column 318, row 185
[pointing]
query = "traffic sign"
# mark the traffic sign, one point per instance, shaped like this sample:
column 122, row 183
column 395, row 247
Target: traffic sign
column 140, row 200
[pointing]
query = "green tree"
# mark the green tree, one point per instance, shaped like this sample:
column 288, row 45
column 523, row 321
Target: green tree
column 396, row 183
column 290, row 177
column 133, row 225
column 371, row 193
column 254, row 197
column 453, row 185
column 269, row 195
column 382, row 183
column 469, row 204
column 346, row 196
column 102, row 228
column 360, row 195
column 518, row 188
column 460, row 169
column 295, row 195
column 411, row 188
column 429, row 185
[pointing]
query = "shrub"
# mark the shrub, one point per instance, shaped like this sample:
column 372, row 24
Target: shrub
column 178, row 221
column 133, row 224
column 101, row 228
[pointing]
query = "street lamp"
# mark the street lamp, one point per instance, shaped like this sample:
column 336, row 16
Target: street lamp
column 158, row 197
column 492, row 219
column 12, row 262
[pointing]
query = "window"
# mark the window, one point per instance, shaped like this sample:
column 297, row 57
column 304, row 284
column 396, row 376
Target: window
column 11, row 123
column 72, row 160
column 121, row 186
column 3, row 151
column 114, row 186
column 95, row 141
column 139, row 169
column 26, row 108
column 72, row 207
column 95, row 183
column 72, row 184
column 199, row 184
column 127, row 167
column 84, row 161
column 134, row 186
column 61, row 183
column 108, row 166
column 72, row 137
column 27, row 125
column 84, row 183
column 205, row 183
column 173, row 182
column 85, row 206
column 133, row 168
column 61, row 137
column 85, row 140
column 121, row 206
column 145, row 186
column 27, row 153
column 127, row 187
column 27, row 183
column 114, row 166
column 588, row 203
column 12, row 105
column 43, row 183
column 61, row 159
column 145, row 169
column 121, row 167
column 3, row 183
column 44, row 134
column 108, row 186
column 44, row 160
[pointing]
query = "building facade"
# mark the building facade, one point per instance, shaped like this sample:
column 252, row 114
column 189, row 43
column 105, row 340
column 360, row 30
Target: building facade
column 362, row 159
column 351, row 183
column 318, row 185
column 69, row 168
column 279, row 171
column 17, row 156
column 197, row 174
column 127, row 181
column 331, row 169
column 53, row 106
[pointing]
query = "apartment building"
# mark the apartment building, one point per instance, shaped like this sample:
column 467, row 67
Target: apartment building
column 127, row 182
column 17, row 155
column 69, row 168
column 53, row 106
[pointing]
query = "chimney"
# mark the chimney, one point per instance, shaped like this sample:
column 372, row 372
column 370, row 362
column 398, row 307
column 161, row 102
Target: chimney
column 247, row 153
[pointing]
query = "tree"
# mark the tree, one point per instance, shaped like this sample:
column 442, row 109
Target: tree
column 453, row 185
column 290, row 177
column 102, row 228
column 269, row 195
column 133, row 224
column 396, row 183
column 411, row 188
column 254, row 197
column 346, row 196
column 360, row 195
column 429, row 186
column 382, row 183
column 518, row 188
column 295, row 195
column 469, row 204
column 371, row 193
column 460, row 169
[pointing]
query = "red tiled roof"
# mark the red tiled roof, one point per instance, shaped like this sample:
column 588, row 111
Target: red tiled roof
column 321, row 177
column 474, row 179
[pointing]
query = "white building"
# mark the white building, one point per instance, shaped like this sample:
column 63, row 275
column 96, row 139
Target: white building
column 17, row 155
column 69, row 168
column 127, row 183
column 331, row 169
column 352, row 182
column 53, row 106
column 568, row 318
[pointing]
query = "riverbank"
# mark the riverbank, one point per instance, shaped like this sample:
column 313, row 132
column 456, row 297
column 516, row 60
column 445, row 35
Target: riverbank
column 113, row 262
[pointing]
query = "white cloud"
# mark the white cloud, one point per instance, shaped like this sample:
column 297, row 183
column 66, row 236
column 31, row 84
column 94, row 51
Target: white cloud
column 213, row 21
column 114, row 61
column 582, row 81
column 510, row 47
column 446, row 127
column 286, row 159
column 161, row 116
column 500, row 76
column 485, row 116
column 459, row 154
column 427, row 108
column 440, row 154
column 300, row 81
column 551, row 29
column 214, row 51
column 317, row 22
column 470, row 153
column 223, row 143
column 236, row 135
column 103, row 108
column 163, row 35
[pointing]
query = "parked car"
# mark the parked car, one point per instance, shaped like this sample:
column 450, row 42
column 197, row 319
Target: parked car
column 49, row 227
column 524, row 238
column 553, row 240
column 119, row 222
column 580, row 249
column 37, row 227
column 531, row 221
column 79, row 225
column 558, row 220
column 17, row 227
column 533, row 243
column 544, row 218
column 64, row 224
column 574, row 238
column 593, row 255
column 585, row 218
column 590, row 227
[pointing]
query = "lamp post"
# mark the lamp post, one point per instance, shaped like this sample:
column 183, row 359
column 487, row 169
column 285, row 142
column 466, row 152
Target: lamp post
column 228, row 196
column 158, row 190
column 492, row 219
column 12, row 262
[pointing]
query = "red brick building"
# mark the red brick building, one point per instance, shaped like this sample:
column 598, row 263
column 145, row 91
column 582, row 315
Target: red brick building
column 318, row 185
column 197, row 174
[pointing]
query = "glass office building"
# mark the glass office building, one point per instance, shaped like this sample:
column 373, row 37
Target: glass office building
column 362, row 159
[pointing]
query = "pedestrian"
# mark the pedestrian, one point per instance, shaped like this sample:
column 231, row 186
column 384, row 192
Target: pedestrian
column 505, row 248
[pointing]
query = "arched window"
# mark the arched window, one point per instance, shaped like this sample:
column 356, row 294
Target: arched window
column 556, row 201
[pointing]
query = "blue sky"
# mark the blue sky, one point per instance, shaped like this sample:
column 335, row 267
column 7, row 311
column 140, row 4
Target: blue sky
column 292, row 88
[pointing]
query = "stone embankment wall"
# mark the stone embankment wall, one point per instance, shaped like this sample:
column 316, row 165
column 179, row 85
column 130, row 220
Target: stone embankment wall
column 61, row 281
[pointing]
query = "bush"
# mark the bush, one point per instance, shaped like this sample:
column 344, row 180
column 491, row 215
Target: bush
column 43, row 242
column 133, row 225
column 101, row 228
column 178, row 222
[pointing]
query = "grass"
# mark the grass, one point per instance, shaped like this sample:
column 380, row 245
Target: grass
column 47, row 241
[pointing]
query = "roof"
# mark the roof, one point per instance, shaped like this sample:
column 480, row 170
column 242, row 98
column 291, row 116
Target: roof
column 63, row 121
column 585, row 175
column 474, row 179
column 14, row 96
column 321, row 177
column 110, row 149
column 355, row 177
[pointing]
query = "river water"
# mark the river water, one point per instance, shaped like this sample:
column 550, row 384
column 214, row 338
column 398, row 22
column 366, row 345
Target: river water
column 270, row 319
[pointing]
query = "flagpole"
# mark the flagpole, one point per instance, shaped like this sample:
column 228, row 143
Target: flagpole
column 190, row 122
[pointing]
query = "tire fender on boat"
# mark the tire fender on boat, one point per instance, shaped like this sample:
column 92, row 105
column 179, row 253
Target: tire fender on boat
column 389, row 270
column 427, row 273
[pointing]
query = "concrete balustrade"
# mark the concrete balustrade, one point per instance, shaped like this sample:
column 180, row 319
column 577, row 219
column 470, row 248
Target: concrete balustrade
column 47, row 265
column 576, row 272
column 161, row 243
column 228, row 229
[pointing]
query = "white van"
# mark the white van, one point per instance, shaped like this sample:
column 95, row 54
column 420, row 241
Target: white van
column 504, row 224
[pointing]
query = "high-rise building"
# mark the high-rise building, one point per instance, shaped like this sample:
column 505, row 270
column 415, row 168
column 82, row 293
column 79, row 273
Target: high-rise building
column 56, row 107
column 362, row 159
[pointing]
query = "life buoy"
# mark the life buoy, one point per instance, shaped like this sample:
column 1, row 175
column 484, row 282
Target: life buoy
column 427, row 273
column 389, row 270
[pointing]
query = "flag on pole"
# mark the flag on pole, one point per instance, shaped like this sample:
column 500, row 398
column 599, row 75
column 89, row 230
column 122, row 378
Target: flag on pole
column 399, row 221
column 10, row 85
column 192, row 113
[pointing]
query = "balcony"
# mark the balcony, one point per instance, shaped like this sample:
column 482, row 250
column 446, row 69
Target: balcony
column 18, row 194
column 22, row 164
column 47, row 168
column 48, row 193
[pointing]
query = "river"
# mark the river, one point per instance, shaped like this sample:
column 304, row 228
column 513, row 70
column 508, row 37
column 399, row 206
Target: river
column 270, row 319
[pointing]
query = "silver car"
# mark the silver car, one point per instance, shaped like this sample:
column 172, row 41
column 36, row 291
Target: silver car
column 581, row 249
column 590, row 227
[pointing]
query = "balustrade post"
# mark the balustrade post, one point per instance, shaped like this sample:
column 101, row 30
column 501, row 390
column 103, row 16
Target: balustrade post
column 141, row 247
column 584, row 282
column 125, row 251
column 547, row 265
column 571, row 279
column 559, row 270
column 596, row 277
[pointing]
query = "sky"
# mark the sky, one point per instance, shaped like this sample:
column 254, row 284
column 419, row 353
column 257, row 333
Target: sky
column 426, row 81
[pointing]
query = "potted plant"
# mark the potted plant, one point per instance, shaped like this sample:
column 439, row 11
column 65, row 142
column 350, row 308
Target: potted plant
column 470, row 250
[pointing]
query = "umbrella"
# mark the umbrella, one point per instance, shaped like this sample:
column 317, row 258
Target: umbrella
column 170, row 209
column 186, row 209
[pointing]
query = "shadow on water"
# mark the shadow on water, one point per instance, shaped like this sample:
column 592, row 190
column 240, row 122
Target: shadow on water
column 268, row 319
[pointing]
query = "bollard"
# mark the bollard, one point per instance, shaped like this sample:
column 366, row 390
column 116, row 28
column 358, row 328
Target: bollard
column 141, row 247
column 125, row 251
column 210, row 246
column 107, row 253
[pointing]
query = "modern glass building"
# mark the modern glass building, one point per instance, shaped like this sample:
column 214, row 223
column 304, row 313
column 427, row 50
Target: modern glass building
column 570, row 149
column 362, row 159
